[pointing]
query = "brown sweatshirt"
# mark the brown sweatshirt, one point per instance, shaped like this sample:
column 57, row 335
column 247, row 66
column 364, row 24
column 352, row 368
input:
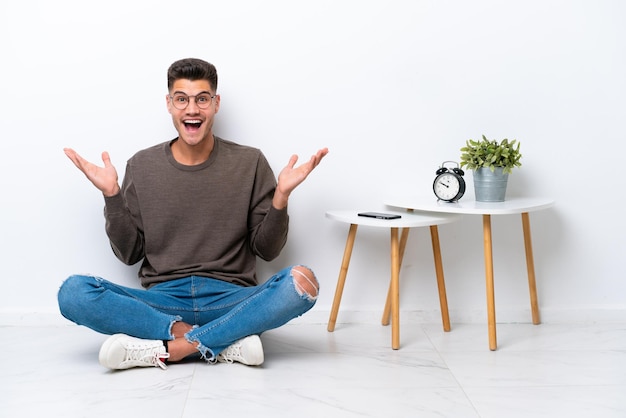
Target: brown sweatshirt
column 209, row 220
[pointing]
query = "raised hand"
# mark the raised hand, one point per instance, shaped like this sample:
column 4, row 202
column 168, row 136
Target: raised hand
column 104, row 178
column 291, row 177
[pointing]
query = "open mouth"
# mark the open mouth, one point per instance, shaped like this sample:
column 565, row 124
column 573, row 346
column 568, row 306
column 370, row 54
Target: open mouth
column 192, row 124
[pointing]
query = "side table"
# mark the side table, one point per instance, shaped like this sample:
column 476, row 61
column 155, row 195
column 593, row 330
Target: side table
column 511, row 206
column 408, row 220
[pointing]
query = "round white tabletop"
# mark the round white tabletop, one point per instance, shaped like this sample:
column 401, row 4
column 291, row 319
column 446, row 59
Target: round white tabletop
column 510, row 206
column 406, row 220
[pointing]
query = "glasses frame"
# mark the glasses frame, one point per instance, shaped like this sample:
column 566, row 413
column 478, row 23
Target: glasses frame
column 195, row 98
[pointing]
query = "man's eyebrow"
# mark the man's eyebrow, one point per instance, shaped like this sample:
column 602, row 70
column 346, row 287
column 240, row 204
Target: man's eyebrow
column 202, row 92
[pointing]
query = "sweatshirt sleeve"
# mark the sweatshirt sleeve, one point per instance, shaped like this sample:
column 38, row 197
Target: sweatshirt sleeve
column 270, row 226
column 125, row 236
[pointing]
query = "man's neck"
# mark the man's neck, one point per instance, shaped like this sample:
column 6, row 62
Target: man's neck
column 192, row 155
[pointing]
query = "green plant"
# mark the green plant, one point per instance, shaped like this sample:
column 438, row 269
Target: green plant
column 492, row 154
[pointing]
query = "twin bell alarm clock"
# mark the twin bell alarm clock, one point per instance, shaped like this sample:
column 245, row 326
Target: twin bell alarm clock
column 449, row 184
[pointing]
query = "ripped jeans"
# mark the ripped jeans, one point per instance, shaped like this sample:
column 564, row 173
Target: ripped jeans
column 220, row 312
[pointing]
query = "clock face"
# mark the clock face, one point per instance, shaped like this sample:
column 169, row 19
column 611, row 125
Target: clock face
column 447, row 187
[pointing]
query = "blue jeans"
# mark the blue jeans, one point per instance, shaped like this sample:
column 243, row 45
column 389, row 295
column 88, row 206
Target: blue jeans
column 220, row 312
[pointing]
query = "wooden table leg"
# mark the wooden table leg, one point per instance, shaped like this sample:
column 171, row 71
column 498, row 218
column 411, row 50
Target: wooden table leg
column 404, row 237
column 343, row 272
column 395, row 290
column 443, row 300
column 491, row 306
column 530, row 266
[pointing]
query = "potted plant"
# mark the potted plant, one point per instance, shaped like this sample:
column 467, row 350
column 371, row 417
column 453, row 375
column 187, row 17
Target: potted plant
column 491, row 162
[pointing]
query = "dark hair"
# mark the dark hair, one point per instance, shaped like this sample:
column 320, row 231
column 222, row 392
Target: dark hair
column 192, row 69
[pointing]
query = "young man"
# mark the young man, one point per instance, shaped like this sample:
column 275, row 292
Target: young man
column 196, row 211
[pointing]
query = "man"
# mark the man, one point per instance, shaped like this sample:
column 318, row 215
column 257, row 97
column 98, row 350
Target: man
column 196, row 211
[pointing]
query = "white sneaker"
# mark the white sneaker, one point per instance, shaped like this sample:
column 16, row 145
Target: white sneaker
column 248, row 351
column 122, row 351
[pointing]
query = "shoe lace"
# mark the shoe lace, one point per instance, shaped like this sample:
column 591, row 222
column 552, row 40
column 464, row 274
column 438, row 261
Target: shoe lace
column 233, row 351
column 147, row 355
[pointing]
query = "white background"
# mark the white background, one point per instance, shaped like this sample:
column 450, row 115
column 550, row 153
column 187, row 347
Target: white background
column 392, row 88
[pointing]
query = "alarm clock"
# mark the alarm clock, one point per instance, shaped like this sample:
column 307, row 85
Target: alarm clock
column 449, row 185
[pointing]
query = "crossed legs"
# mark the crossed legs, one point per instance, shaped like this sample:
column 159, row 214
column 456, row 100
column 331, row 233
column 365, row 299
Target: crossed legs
column 181, row 347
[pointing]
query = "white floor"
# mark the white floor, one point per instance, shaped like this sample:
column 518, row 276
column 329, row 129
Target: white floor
column 574, row 370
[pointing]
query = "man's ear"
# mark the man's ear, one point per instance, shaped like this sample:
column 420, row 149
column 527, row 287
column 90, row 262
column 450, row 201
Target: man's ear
column 168, row 103
column 217, row 103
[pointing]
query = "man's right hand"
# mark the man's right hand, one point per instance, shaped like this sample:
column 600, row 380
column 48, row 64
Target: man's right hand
column 104, row 178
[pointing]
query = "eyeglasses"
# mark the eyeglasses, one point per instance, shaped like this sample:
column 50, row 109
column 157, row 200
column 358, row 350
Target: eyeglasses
column 181, row 100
